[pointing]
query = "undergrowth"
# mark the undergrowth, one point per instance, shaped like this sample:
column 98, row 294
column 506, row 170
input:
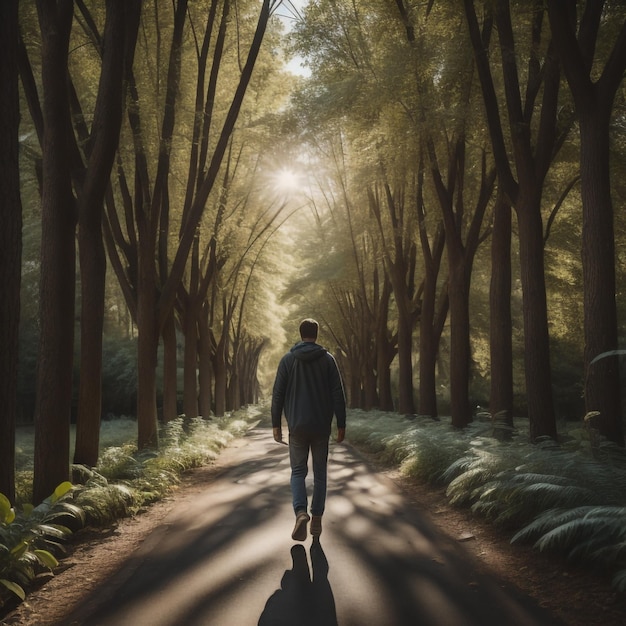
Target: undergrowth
column 125, row 479
column 567, row 497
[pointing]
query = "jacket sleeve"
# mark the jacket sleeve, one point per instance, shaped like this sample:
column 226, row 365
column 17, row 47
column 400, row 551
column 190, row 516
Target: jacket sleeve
column 339, row 396
column 279, row 391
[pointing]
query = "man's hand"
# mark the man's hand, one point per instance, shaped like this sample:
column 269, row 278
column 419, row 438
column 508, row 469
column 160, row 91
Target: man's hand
column 278, row 435
column 341, row 434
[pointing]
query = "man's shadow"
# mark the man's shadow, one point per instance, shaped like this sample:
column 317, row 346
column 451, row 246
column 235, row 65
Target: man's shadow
column 302, row 599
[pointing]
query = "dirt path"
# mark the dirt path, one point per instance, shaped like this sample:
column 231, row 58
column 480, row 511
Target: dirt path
column 244, row 495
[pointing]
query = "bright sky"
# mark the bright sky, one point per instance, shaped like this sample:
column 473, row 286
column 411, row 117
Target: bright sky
column 289, row 12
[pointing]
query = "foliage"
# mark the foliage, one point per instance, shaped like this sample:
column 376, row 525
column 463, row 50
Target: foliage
column 31, row 538
column 594, row 534
column 568, row 497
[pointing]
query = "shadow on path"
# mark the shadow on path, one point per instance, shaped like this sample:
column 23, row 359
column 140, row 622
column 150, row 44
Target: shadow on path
column 301, row 599
column 216, row 559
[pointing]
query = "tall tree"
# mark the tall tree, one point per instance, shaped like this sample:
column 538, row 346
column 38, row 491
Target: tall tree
column 400, row 252
column 117, row 46
column 10, row 242
column 433, row 308
column 58, row 264
column 463, row 231
column 154, row 293
column 531, row 160
column 500, row 324
column 577, row 42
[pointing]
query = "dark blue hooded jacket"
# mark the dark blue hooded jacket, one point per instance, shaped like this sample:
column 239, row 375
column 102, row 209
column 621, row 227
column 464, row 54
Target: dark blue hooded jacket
column 309, row 390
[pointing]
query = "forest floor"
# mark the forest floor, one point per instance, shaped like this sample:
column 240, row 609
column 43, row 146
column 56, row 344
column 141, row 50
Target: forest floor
column 575, row 597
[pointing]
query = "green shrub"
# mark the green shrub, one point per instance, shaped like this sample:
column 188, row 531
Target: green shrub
column 568, row 497
column 31, row 539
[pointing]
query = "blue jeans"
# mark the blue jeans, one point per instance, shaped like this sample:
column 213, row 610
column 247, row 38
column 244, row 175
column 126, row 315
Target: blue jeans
column 299, row 446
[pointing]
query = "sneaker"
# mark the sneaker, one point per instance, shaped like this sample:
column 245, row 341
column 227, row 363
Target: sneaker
column 299, row 530
column 316, row 526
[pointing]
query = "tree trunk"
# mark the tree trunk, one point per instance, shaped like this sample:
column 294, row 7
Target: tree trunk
column 385, row 350
column 594, row 99
column 147, row 351
column 431, row 324
column 190, row 372
column 531, row 163
column 405, row 363
column 459, row 342
column 205, row 375
column 58, row 262
column 10, row 243
column 602, row 381
column 170, row 370
column 220, row 376
column 501, row 346
column 536, row 338
column 428, row 349
column 100, row 150
column 93, row 272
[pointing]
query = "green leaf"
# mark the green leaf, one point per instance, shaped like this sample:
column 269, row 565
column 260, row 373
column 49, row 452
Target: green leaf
column 14, row 587
column 7, row 513
column 61, row 490
column 20, row 549
column 46, row 558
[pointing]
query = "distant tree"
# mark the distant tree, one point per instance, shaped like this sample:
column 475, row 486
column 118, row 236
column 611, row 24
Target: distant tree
column 577, row 42
column 433, row 307
column 10, row 242
column 149, row 279
column 400, row 254
column 463, row 235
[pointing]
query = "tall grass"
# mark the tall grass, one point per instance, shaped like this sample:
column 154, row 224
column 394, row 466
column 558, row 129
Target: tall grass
column 567, row 497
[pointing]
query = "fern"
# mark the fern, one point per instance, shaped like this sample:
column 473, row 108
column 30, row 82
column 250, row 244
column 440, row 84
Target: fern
column 619, row 580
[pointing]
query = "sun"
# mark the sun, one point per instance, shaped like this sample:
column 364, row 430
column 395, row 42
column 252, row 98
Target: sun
column 287, row 181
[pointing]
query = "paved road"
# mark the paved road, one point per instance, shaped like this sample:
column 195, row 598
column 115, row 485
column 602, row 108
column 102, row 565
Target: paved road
column 226, row 558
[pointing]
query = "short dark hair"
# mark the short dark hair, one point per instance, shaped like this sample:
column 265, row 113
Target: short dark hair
column 308, row 329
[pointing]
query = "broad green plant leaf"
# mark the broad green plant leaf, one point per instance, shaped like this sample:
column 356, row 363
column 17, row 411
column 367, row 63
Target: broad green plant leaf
column 61, row 490
column 20, row 549
column 7, row 513
column 46, row 558
column 14, row 587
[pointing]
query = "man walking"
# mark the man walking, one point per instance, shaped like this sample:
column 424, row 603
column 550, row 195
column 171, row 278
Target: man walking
column 308, row 388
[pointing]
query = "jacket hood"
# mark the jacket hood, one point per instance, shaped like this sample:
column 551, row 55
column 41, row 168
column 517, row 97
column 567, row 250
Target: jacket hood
column 307, row 351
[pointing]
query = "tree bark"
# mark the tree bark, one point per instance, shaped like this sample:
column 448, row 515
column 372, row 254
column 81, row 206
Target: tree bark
column 594, row 102
column 531, row 164
column 58, row 263
column 535, row 314
column 431, row 323
column 147, row 350
column 121, row 26
column 170, row 370
column 10, row 242
column 205, row 373
column 385, row 349
column 219, row 369
column 602, row 379
column 501, row 344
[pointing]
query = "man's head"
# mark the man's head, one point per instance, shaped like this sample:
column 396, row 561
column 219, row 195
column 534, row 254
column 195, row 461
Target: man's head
column 308, row 330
